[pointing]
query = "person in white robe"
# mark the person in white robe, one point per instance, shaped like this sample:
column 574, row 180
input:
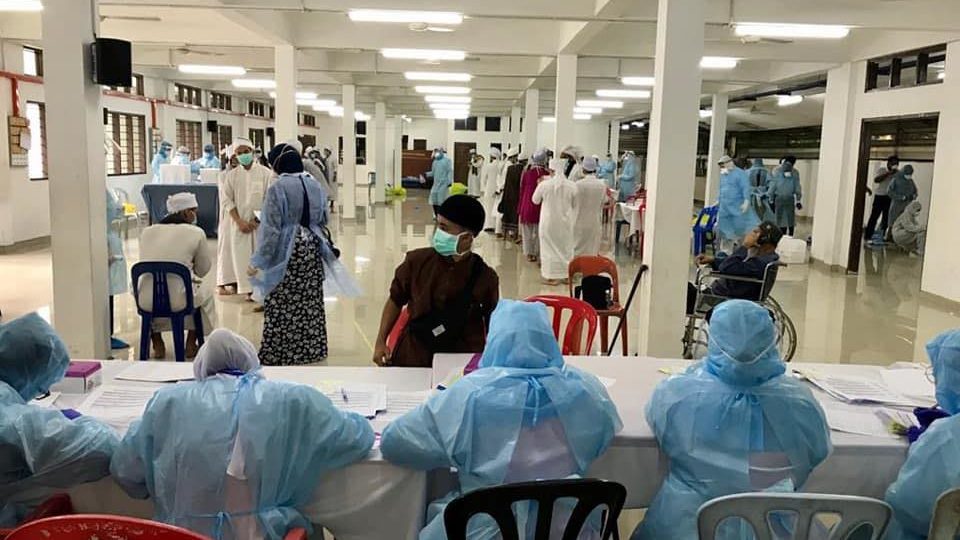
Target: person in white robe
column 512, row 155
column 178, row 239
column 489, row 178
column 242, row 190
column 473, row 174
column 332, row 173
column 556, row 197
column 588, row 220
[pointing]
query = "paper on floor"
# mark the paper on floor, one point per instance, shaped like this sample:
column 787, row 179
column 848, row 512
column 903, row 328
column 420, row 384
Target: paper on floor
column 157, row 372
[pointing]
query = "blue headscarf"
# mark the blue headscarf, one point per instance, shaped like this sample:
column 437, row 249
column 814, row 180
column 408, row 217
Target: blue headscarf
column 520, row 336
column 743, row 344
column 285, row 158
column 944, row 353
column 32, row 357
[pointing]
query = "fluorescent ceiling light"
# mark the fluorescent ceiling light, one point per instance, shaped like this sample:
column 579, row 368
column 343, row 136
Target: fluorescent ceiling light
column 437, row 76
column 324, row 105
column 447, row 99
column 637, row 81
column 787, row 100
column 21, row 5
column 404, row 16
column 637, row 124
column 582, row 117
column 360, row 116
column 624, row 127
column 199, row 69
column 450, row 106
column 706, row 113
column 801, row 31
column 443, row 29
column 298, row 95
column 442, row 90
column 254, row 83
column 587, row 110
column 616, row 93
column 602, row 103
column 423, row 54
column 452, row 115
column 335, row 112
column 549, row 119
column 718, row 62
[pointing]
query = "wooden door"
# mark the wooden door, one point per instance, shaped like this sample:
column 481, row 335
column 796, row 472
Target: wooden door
column 461, row 161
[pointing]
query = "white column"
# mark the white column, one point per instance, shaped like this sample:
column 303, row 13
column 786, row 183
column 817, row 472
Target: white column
column 531, row 119
column 77, row 179
column 383, row 148
column 614, row 147
column 718, row 138
column 514, row 138
column 398, row 155
column 348, row 170
column 285, row 64
column 671, row 154
column 566, row 100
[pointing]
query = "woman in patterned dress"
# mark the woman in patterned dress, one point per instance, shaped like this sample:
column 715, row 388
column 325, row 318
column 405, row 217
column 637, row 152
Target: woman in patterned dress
column 288, row 267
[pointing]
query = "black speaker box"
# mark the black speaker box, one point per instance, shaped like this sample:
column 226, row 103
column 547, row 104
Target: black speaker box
column 112, row 62
column 212, row 126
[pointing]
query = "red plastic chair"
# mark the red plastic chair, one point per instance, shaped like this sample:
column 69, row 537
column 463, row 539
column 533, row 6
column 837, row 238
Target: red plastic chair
column 297, row 534
column 398, row 328
column 91, row 526
column 580, row 313
column 595, row 266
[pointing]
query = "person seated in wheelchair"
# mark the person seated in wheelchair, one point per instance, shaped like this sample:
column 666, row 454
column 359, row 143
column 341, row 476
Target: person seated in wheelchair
column 749, row 260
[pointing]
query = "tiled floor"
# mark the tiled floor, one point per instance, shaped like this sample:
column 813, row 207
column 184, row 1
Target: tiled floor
column 875, row 317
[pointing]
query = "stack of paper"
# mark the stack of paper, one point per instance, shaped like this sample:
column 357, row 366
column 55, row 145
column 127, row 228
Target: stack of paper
column 157, row 372
column 858, row 390
column 117, row 406
column 363, row 399
column 859, row 420
column 911, row 382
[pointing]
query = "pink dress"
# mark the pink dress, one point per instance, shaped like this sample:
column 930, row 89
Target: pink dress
column 530, row 212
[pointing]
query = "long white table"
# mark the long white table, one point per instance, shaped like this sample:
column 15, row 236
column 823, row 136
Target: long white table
column 858, row 465
column 369, row 500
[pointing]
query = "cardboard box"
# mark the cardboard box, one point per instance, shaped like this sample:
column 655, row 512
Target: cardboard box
column 82, row 376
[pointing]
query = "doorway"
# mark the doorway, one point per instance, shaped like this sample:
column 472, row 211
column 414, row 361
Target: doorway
column 461, row 160
column 913, row 139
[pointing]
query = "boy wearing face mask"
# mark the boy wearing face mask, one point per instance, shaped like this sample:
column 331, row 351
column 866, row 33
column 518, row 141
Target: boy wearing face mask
column 448, row 290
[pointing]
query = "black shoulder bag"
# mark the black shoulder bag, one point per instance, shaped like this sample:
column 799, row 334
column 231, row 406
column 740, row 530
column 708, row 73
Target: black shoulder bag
column 305, row 220
column 441, row 329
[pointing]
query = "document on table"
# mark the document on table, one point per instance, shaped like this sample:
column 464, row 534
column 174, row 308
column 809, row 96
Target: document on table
column 361, row 398
column 858, row 390
column 857, row 419
column 157, row 372
column 911, row 382
column 117, row 406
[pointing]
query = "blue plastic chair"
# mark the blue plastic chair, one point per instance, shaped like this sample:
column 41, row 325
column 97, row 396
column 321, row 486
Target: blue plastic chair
column 703, row 234
column 160, row 270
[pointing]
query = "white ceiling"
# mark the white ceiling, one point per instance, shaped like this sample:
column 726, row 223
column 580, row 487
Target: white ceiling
column 511, row 44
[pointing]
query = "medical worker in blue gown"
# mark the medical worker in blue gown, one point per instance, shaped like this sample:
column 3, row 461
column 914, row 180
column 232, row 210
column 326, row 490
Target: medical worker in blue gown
column 736, row 216
column 933, row 464
column 628, row 175
column 162, row 157
column 522, row 416
column 732, row 423
column 42, row 451
column 234, row 455
column 442, row 172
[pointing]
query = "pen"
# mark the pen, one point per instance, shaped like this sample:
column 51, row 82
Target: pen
column 343, row 394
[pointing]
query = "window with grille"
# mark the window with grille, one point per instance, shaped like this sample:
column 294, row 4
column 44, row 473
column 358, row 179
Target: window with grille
column 308, row 120
column 273, row 112
column 222, row 137
column 906, row 69
column 135, row 88
column 467, row 124
column 128, row 133
column 308, row 140
column 190, row 95
column 190, row 134
column 221, row 101
column 33, row 61
column 257, row 108
column 491, row 123
column 257, row 137
column 37, row 153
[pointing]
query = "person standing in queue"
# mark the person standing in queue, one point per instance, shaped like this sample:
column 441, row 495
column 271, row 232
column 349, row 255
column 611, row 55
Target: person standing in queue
column 448, row 291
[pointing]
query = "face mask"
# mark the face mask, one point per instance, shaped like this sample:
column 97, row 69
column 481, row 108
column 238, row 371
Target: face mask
column 245, row 159
column 908, row 176
column 164, row 152
column 446, row 243
column 737, row 360
column 209, row 155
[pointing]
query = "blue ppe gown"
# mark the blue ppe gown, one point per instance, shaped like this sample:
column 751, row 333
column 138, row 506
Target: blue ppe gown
column 160, row 158
column 785, row 192
column 41, row 451
column 732, row 222
column 606, row 172
column 522, row 416
column 208, row 161
column 628, row 178
column 933, row 463
column 758, row 174
column 442, row 171
column 228, row 453
column 116, row 262
column 732, row 423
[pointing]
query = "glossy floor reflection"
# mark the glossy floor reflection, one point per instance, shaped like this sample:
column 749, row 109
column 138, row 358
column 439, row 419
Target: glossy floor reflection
column 876, row 317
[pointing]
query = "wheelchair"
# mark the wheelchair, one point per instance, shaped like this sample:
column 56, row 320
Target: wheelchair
column 696, row 336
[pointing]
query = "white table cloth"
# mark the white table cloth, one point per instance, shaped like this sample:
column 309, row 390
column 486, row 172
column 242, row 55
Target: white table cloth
column 369, row 500
column 858, row 465
column 632, row 214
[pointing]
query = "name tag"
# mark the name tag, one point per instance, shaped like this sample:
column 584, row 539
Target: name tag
column 439, row 330
column 788, row 175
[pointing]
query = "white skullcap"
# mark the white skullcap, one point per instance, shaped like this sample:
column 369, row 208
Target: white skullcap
column 724, row 160
column 573, row 151
column 309, row 149
column 179, row 202
column 241, row 141
column 513, row 151
column 589, row 164
column 494, row 151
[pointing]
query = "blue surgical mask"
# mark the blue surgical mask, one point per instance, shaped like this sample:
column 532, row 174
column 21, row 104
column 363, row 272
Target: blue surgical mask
column 164, row 152
column 445, row 243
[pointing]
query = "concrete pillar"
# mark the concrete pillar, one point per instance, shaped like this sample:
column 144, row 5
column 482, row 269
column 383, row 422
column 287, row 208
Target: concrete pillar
column 565, row 102
column 671, row 153
column 383, row 150
column 77, row 179
column 285, row 64
column 531, row 119
column 718, row 137
column 348, row 170
column 614, row 147
column 398, row 151
column 514, row 137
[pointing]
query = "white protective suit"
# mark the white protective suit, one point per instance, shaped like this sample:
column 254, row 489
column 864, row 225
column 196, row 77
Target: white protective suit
column 588, row 215
column 557, row 197
column 489, row 185
column 187, row 245
column 243, row 190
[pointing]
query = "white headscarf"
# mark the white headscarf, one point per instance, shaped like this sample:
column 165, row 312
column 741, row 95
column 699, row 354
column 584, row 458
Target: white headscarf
column 179, row 202
column 222, row 350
